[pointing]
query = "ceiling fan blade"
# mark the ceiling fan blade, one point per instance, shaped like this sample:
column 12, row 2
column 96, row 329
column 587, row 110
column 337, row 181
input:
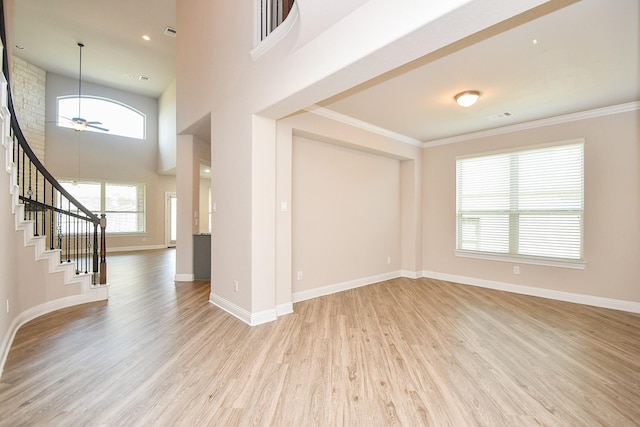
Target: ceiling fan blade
column 97, row 127
column 94, row 123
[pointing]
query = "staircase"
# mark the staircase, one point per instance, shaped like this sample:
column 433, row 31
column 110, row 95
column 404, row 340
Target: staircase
column 56, row 247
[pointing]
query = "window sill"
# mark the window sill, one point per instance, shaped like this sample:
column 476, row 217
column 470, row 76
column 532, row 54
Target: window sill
column 576, row 265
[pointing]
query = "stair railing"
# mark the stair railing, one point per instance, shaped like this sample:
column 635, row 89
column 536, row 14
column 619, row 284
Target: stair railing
column 272, row 14
column 67, row 225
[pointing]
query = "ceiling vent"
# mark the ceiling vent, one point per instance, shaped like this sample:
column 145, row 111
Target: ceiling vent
column 144, row 78
column 171, row 32
column 499, row 116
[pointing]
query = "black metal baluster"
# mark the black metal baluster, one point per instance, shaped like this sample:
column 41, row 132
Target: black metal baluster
column 35, row 215
column 60, row 235
column 103, row 249
column 30, row 191
column 75, row 243
column 78, row 245
column 17, row 160
column 15, row 147
column 22, row 187
column 95, row 252
column 52, row 217
column 87, row 246
column 68, row 250
column 44, row 207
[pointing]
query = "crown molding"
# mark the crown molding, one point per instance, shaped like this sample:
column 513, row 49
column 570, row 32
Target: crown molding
column 566, row 118
column 339, row 117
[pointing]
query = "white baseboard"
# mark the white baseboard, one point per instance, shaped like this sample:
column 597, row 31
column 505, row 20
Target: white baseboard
column 99, row 293
column 615, row 304
column 284, row 309
column 184, row 278
column 251, row 319
column 409, row 274
column 344, row 286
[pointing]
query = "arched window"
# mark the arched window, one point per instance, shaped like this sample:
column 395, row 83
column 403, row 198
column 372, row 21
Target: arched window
column 120, row 119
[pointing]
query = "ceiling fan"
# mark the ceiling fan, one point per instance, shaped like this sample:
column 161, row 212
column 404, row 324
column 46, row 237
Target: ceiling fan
column 78, row 123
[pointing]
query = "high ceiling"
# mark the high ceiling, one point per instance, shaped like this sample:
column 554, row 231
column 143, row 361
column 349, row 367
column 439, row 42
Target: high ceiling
column 115, row 54
column 582, row 56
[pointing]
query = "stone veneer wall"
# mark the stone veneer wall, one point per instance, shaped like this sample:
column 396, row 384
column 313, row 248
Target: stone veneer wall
column 28, row 89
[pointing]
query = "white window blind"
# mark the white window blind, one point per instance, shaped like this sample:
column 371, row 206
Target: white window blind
column 124, row 204
column 124, row 207
column 526, row 203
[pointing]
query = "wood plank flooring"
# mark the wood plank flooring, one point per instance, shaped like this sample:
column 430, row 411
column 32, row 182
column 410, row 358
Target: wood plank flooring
column 402, row 352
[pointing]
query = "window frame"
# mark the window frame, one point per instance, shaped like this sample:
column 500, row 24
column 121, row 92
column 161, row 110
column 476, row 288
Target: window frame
column 510, row 256
column 103, row 184
column 61, row 122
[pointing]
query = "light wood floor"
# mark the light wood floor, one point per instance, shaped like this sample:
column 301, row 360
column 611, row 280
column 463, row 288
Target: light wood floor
column 402, row 352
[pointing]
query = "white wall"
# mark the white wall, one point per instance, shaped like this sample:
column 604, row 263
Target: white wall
column 167, row 130
column 380, row 168
column 611, row 216
column 346, row 214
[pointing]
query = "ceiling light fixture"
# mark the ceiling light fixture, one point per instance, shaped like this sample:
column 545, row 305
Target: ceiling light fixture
column 146, row 37
column 79, row 125
column 467, row 98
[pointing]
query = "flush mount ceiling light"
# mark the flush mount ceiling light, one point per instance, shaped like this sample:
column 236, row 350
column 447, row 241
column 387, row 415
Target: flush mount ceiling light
column 467, row 98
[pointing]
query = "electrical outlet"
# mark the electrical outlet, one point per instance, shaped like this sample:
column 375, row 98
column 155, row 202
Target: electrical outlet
column 388, row 260
column 235, row 286
column 299, row 275
column 516, row 269
column 7, row 305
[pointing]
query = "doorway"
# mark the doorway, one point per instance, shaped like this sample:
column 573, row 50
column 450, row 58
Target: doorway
column 171, row 216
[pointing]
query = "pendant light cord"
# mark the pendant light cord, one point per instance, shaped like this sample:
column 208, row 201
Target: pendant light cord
column 80, row 80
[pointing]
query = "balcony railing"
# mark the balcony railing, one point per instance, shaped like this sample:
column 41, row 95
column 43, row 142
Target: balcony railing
column 272, row 13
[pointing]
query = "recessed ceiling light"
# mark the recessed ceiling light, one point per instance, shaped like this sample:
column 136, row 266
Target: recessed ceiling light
column 467, row 98
column 146, row 37
column 534, row 41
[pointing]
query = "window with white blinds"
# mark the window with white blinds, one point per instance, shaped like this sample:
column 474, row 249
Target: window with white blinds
column 526, row 203
column 122, row 203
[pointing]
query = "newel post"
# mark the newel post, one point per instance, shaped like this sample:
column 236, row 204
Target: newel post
column 103, row 250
